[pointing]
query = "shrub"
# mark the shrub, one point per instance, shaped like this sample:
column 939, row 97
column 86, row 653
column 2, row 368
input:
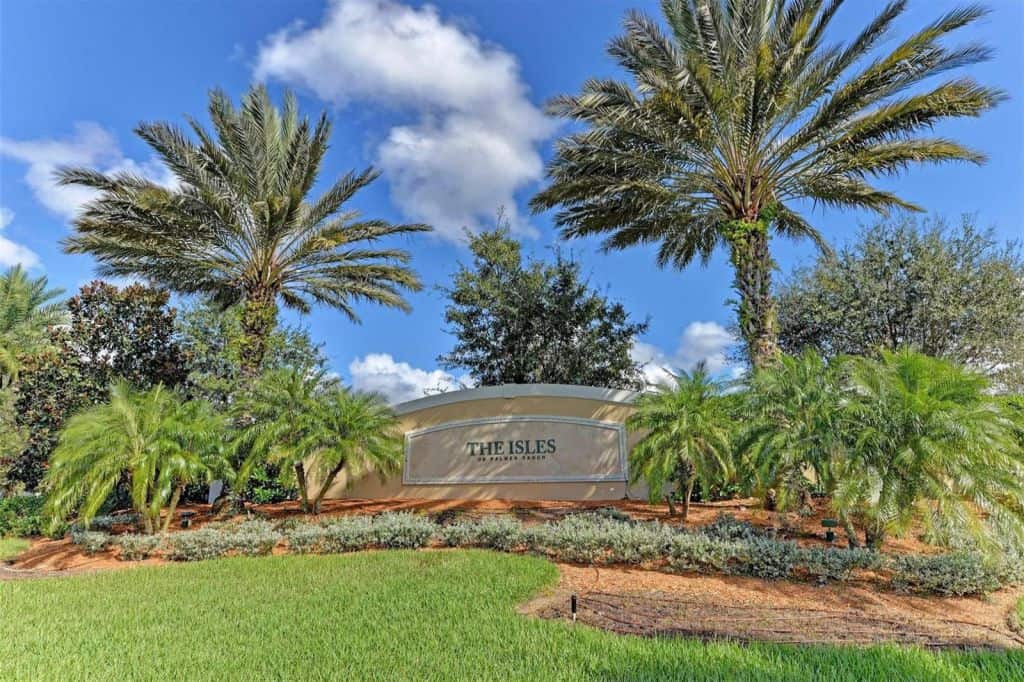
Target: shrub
column 764, row 558
column 21, row 516
column 137, row 547
column 495, row 532
column 252, row 538
column 595, row 538
column 197, row 545
column 838, row 564
column 107, row 521
column 728, row 527
column 402, row 530
column 698, row 552
column 90, row 540
column 305, row 538
column 954, row 574
column 348, row 534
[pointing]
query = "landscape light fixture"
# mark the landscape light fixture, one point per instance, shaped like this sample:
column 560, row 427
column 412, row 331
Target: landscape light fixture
column 572, row 607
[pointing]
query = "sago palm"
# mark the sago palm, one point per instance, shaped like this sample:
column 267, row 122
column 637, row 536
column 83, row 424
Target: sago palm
column 239, row 225
column 686, row 437
column 148, row 438
column 739, row 114
column 316, row 429
column 926, row 441
column 28, row 312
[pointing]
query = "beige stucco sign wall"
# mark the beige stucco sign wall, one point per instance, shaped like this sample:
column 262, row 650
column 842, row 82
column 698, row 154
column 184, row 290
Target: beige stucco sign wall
column 521, row 442
column 515, row 449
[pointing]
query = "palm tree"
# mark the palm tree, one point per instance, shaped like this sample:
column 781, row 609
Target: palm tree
column 736, row 114
column 27, row 314
column 149, row 437
column 926, row 441
column 686, row 428
column 238, row 227
column 316, row 429
column 795, row 406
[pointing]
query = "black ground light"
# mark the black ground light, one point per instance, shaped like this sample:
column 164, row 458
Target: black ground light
column 572, row 607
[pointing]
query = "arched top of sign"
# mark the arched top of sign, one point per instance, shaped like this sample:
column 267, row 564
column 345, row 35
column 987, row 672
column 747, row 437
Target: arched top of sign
column 511, row 391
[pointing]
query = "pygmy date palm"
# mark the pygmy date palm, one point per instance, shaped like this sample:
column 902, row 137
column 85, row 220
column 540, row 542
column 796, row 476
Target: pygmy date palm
column 28, row 312
column 237, row 227
column 739, row 110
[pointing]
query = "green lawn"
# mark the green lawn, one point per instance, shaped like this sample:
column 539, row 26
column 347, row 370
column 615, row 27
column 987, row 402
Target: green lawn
column 12, row 547
column 382, row 615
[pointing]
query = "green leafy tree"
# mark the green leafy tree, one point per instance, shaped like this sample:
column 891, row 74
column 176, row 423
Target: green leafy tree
column 740, row 110
column 925, row 440
column 28, row 313
column 238, row 227
column 686, row 427
column 531, row 322
column 213, row 341
column 316, row 429
column 954, row 293
column 149, row 437
column 112, row 334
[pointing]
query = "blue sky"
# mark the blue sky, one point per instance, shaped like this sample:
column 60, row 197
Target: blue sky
column 445, row 98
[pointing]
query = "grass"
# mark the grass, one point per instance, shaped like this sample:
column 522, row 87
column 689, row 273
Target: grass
column 12, row 547
column 384, row 615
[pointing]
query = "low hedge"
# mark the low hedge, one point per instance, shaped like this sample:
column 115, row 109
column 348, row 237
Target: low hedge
column 21, row 516
column 726, row 546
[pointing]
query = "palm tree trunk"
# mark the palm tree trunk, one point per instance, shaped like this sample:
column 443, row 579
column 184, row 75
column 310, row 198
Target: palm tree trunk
column 851, row 533
column 171, row 507
column 752, row 280
column 328, row 482
column 259, row 317
column 300, row 477
column 689, row 493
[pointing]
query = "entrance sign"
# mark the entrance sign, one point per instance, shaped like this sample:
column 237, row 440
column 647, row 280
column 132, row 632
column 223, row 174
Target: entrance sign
column 516, row 449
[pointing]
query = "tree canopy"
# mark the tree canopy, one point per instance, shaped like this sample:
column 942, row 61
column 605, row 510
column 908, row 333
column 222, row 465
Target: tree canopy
column 948, row 291
column 522, row 321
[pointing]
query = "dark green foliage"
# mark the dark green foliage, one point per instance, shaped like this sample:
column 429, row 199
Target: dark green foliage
column 735, row 113
column 532, row 322
column 950, row 292
column 21, row 516
column 114, row 334
column 947, row 574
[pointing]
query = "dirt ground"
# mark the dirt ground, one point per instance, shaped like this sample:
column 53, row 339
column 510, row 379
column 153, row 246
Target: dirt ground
column 650, row 603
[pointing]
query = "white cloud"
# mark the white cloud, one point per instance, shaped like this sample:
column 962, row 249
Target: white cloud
column 90, row 145
column 10, row 252
column 399, row 381
column 706, row 342
column 474, row 143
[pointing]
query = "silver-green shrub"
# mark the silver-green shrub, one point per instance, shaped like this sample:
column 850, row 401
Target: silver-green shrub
column 402, row 530
column 955, row 574
column 137, row 547
column 91, row 541
column 502, row 533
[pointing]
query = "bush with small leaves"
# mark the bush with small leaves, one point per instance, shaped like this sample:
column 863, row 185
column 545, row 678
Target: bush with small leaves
column 728, row 527
column 197, row 545
column 955, row 574
column 502, row 533
column 764, row 558
column 348, row 534
column 700, row 553
column 253, row 538
column 402, row 530
column 137, row 547
column 838, row 564
column 90, row 540
column 22, row 516
column 307, row 538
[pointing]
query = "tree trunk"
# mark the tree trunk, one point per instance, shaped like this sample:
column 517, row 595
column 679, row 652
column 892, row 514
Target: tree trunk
column 671, row 504
column 326, row 485
column 874, row 537
column 851, row 533
column 259, row 317
column 686, row 500
column 752, row 280
column 170, row 509
column 300, row 477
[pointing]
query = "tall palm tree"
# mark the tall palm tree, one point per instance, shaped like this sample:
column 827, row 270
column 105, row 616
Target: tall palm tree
column 150, row 437
column 740, row 111
column 316, row 429
column 28, row 312
column 686, row 426
column 238, row 226
column 926, row 441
